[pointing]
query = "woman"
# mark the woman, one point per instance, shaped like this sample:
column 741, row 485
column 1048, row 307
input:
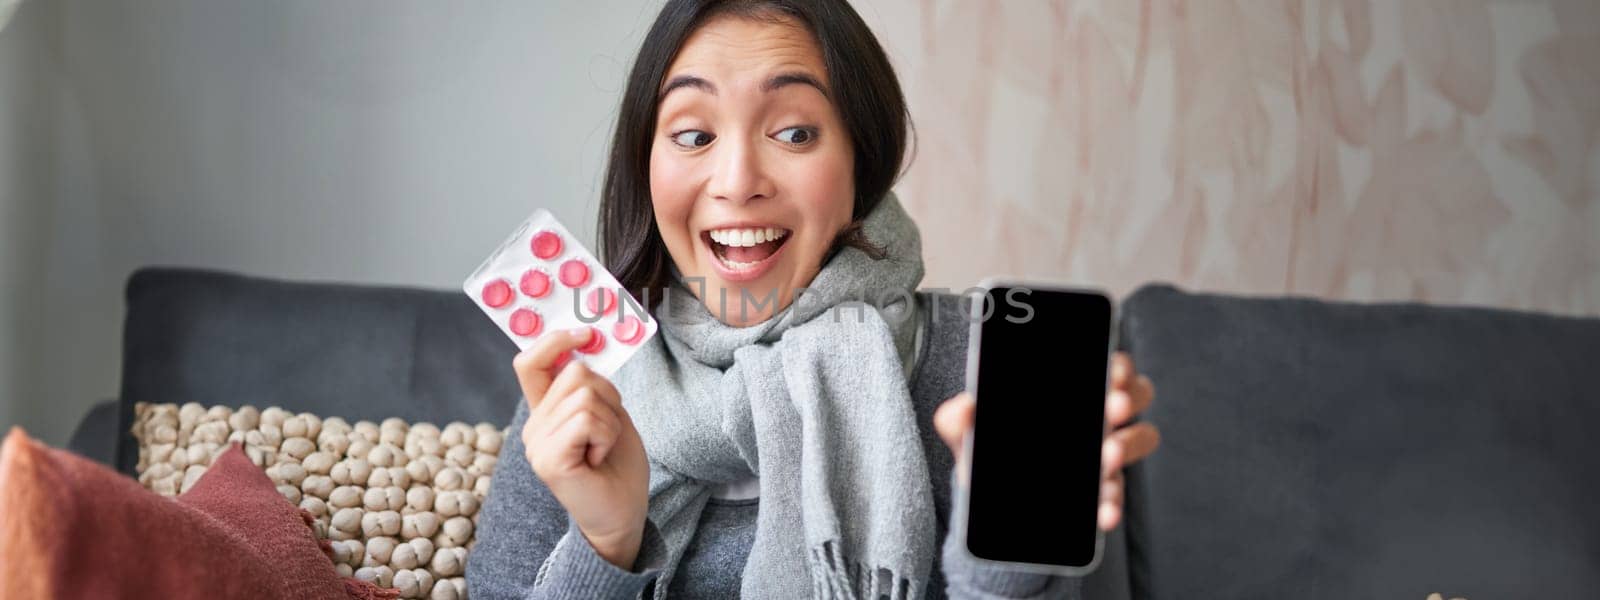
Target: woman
column 760, row 445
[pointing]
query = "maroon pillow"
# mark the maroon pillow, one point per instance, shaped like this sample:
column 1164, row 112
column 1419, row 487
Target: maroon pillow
column 71, row 528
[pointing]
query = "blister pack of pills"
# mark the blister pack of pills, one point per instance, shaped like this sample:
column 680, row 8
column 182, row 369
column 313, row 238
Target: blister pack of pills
column 541, row 280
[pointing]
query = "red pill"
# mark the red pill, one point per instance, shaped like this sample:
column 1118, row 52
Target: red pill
column 546, row 245
column 628, row 331
column 602, row 301
column 535, row 283
column 561, row 361
column 497, row 293
column 597, row 342
column 525, row 323
column 574, row 273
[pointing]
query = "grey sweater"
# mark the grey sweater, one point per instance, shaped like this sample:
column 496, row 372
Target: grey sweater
column 523, row 529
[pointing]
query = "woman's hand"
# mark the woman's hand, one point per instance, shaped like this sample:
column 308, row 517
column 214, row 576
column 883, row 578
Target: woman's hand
column 1131, row 393
column 582, row 444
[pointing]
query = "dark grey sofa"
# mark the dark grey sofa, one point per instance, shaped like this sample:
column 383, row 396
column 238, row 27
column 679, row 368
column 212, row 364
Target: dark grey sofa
column 1310, row 449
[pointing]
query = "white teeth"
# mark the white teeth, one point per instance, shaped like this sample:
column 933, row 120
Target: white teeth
column 737, row 266
column 746, row 236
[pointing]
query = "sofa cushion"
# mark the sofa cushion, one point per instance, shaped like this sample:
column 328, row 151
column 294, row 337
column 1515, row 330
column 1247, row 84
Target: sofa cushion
column 73, row 528
column 1335, row 450
column 397, row 501
column 357, row 352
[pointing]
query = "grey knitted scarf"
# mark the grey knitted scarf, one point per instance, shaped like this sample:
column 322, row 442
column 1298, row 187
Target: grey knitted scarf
column 815, row 402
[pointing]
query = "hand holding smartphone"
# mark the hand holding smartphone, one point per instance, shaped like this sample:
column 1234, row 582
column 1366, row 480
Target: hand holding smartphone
column 1038, row 365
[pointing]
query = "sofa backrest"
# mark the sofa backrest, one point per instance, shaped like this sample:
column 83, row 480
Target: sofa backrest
column 1318, row 449
column 366, row 352
column 1310, row 449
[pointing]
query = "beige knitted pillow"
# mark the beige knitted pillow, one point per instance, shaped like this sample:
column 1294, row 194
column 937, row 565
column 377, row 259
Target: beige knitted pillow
column 399, row 502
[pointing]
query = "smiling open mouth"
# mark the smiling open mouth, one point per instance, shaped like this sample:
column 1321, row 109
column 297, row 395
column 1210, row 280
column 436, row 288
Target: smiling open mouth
column 743, row 248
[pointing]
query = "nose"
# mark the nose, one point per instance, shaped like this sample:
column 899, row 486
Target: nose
column 740, row 174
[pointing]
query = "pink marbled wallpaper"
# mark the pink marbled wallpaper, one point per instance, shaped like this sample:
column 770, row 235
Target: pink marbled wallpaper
column 1435, row 150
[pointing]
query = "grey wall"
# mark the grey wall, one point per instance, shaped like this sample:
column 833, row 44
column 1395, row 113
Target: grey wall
column 364, row 141
column 27, row 99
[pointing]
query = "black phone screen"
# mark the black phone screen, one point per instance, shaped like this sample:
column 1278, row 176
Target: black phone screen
column 1040, row 389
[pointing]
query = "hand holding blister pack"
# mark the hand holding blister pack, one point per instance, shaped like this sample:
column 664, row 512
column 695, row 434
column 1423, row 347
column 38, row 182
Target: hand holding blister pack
column 541, row 280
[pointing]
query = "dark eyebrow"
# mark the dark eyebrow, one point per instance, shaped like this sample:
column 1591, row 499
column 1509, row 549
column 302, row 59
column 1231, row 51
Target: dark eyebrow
column 687, row 81
column 777, row 81
column 791, row 78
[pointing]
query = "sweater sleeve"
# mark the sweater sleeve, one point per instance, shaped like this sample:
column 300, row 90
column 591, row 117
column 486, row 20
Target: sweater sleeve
column 528, row 548
column 575, row 570
column 966, row 578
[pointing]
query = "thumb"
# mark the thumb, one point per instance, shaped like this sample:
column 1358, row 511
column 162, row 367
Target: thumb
column 954, row 418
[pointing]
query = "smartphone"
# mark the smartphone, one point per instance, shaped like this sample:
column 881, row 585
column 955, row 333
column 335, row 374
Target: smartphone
column 1038, row 364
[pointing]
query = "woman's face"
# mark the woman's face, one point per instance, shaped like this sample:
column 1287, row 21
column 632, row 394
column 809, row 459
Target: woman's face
column 751, row 169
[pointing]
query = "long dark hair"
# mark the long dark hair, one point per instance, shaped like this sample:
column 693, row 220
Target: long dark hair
column 862, row 86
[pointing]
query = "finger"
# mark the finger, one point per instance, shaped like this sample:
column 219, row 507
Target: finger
column 587, row 434
column 1110, row 457
column 1111, row 501
column 953, row 419
column 579, row 378
column 1121, row 369
column 601, row 441
column 1110, row 514
column 559, row 412
column 1111, row 489
column 584, row 439
column 579, row 375
column 1141, row 393
column 567, row 382
column 534, row 366
column 579, row 400
column 565, row 444
column 1123, row 404
column 1136, row 442
column 1119, row 407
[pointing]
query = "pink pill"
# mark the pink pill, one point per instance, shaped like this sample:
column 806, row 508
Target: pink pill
column 602, row 301
column 535, row 283
column 597, row 342
column 497, row 293
column 561, row 361
column 546, row 244
column 574, row 273
column 525, row 323
column 628, row 331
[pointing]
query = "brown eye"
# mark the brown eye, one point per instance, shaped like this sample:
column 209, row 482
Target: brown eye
column 692, row 138
column 798, row 136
